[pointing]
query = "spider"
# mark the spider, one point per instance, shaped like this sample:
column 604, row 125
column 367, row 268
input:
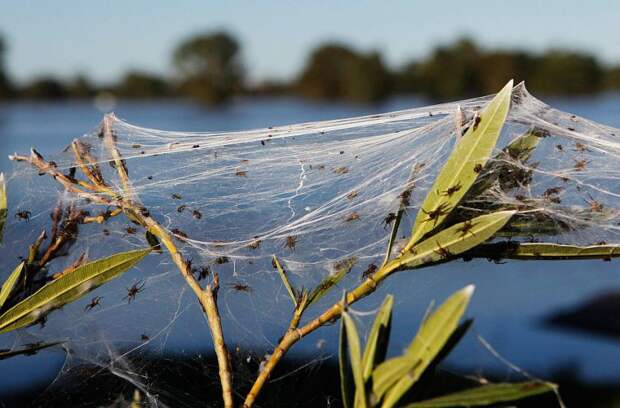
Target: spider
column 136, row 146
column 434, row 215
column 176, row 196
column 144, row 337
column 290, row 243
column 96, row 301
column 372, row 268
column 203, row 272
column 341, row 170
column 23, row 215
column 442, row 252
column 389, row 219
column 466, row 228
column 181, row 208
column 580, row 147
column 559, row 147
column 478, row 168
column 133, row 291
column 130, row 230
column 405, row 198
column 240, row 287
column 580, row 165
column 221, row 260
column 197, row 214
column 254, row 244
column 451, row 190
column 262, row 142
column 196, row 146
column 594, row 205
column 179, row 234
column 352, row 195
column 352, row 216
column 241, row 173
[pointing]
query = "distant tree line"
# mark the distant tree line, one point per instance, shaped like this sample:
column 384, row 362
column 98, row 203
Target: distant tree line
column 208, row 68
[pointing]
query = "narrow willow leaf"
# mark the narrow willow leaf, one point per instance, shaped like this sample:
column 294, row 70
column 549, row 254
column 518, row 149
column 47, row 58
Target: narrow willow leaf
column 450, row 242
column 428, row 342
column 287, row 284
column 29, row 350
column 536, row 251
column 462, row 167
column 344, row 365
column 341, row 269
column 68, row 288
column 395, row 225
column 9, row 284
column 3, row 205
column 355, row 350
column 487, row 395
column 378, row 338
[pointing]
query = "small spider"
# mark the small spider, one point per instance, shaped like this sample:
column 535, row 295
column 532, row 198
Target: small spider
column 133, row 291
column 580, row 165
column 181, row 208
column 290, row 243
column 442, row 209
column 254, row 244
column 262, row 142
column 478, row 168
column 580, row 147
column 179, row 234
column 372, row 268
column 241, row 173
column 23, row 215
column 221, row 260
column 389, row 219
column 130, row 230
column 196, row 146
column 442, row 252
column 405, row 198
column 176, row 196
column 559, row 147
column 594, row 205
column 451, row 190
column 352, row 195
column 203, row 272
column 341, row 170
column 240, row 287
column 106, row 232
column 136, row 146
column 466, row 228
column 197, row 214
column 352, row 216
column 96, row 301
column 144, row 337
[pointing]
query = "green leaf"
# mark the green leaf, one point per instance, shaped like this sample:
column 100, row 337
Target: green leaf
column 487, row 395
column 550, row 251
column 9, row 284
column 394, row 377
column 29, row 350
column 459, row 172
column 68, row 288
column 450, row 242
column 344, row 366
column 378, row 338
column 285, row 281
column 341, row 269
column 3, row 205
column 354, row 345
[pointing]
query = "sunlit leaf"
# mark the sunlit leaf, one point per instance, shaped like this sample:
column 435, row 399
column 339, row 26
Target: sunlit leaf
column 285, row 281
column 344, row 366
column 463, row 166
column 28, row 350
column 68, row 288
column 394, row 377
column 9, row 284
column 487, row 394
column 378, row 338
column 3, row 205
column 355, row 358
column 550, row 251
column 340, row 270
column 451, row 241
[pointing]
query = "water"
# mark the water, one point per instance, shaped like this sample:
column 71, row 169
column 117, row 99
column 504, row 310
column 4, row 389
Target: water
column 511, row 300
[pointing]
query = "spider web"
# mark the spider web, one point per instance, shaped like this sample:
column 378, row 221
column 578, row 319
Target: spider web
column 314, row 194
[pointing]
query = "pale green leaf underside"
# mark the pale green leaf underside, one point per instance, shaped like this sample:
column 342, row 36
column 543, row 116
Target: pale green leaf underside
column 472, row 151
column 395, row 376
column 9, row 284
column 380, row 328
column 68, row 288
column 487, row 395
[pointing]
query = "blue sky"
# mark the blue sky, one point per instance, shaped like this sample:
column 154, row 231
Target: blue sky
column 105, row 38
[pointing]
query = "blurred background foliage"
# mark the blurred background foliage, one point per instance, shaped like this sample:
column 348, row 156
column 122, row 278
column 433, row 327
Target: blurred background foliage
column 209, row 69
